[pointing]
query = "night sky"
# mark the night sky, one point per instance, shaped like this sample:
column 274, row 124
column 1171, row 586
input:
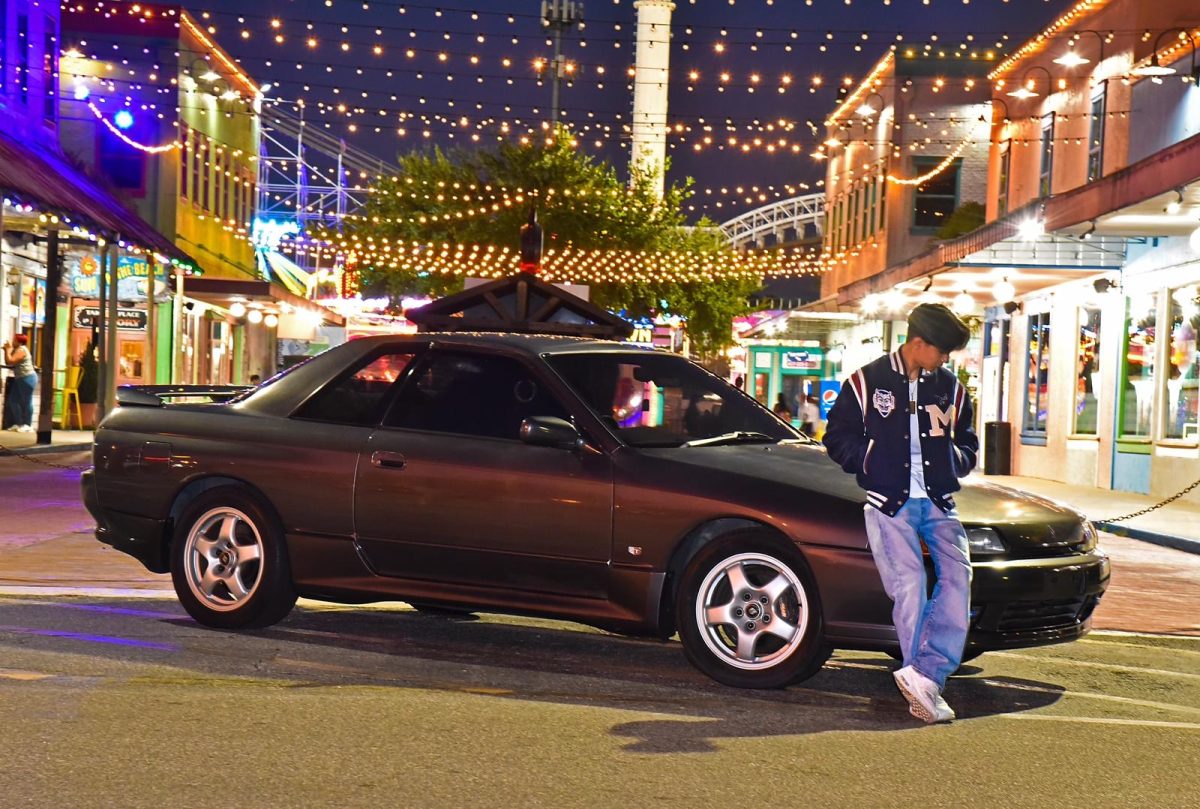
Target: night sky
column 439, row 74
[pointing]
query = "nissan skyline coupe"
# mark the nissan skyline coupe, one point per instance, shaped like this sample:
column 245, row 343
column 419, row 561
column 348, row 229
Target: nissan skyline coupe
column 579, row 479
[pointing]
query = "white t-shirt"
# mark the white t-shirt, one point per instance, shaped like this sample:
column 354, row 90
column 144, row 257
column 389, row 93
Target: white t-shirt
column 916, row 466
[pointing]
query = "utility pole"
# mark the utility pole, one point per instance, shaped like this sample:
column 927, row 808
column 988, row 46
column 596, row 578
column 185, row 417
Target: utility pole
column 559, row 15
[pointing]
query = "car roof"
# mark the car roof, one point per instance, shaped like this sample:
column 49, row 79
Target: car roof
column 536, row 344
column 282, row 397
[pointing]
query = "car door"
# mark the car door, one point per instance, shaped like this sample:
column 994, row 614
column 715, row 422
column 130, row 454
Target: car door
column 308, row 469
column 447, row 491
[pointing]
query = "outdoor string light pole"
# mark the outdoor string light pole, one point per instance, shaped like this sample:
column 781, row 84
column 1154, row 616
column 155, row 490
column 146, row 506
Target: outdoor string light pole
column 559, row 15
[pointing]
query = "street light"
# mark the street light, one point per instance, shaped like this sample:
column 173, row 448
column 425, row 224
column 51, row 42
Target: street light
column 1074, row 59
column 1025, row 88
column 866, row 110
column 1154, row 69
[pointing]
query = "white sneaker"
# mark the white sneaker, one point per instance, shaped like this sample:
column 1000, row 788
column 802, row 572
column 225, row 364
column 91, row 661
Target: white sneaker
column 924, row 698
column 12, row 428
column 942, row 709
column 24, row 428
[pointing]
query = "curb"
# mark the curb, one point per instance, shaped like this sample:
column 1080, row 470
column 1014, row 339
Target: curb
column 43, row 449
column 1166, row 540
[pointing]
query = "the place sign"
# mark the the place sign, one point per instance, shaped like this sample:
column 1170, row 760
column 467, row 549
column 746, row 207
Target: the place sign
column 86, row 317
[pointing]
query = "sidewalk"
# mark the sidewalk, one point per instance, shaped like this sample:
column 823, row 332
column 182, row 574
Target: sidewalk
column 1175, row 525
column 60, row 441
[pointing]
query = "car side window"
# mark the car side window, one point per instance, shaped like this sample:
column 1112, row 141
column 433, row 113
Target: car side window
column 472, row 394
column 357, row 397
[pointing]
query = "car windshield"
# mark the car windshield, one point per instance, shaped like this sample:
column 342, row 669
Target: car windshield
column 661, row 400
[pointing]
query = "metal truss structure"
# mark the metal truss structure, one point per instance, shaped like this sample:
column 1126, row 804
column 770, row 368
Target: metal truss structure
column 803, row 217
column 308, row 176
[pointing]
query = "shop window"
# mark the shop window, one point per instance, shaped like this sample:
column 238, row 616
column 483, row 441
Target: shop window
column 3, row 43
column 1137, row 377
column 1037, row 374
column 185, row 160
column 1087, row 380
column 1180, row 407
column 1046, row 152
column 23, row 45
column 936, row 198
column 122, row 164
column 49, row 71
column 1095, row 165
column 357, row 398
column 1002, row 179
column 202, row 175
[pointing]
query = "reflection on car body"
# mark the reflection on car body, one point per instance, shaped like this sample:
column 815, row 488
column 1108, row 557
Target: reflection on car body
column 620, row 487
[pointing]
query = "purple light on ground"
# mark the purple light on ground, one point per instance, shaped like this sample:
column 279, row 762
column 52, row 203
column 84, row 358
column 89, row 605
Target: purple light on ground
column 107, row 639
column 118, row 610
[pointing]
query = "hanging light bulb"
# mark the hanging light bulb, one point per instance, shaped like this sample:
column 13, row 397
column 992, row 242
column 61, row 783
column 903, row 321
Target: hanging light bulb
column 1004, row 291
column 271, row 320
column 964, row 304
column 1031, row 229
column 254, row 316
column 237, row 309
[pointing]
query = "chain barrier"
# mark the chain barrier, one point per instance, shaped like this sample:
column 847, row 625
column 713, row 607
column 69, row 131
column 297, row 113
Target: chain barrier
column 1148, row 509
column 10, row 452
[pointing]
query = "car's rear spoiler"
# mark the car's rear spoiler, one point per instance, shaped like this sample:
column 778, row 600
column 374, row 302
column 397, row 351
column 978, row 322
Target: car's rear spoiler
column 160, row 395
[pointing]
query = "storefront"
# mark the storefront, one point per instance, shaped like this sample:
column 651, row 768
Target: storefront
column 136, row 341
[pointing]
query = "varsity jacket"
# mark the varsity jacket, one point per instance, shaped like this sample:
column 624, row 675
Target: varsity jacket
column 868, row 432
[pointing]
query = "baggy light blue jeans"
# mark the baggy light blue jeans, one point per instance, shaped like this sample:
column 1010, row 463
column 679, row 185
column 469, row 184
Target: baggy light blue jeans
column 932, row 630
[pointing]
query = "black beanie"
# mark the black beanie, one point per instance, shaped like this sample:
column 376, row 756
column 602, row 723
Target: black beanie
column 937, row 325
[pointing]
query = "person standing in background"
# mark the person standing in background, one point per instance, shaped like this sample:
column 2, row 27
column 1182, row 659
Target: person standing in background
column 18, row 399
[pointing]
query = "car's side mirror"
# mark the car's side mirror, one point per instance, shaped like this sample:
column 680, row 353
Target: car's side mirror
column 549, row 431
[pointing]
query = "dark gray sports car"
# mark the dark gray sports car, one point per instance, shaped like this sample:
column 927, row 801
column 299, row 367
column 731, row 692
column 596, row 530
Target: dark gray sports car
column 624, row 488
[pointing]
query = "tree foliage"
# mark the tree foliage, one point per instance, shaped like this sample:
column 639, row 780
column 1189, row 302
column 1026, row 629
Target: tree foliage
column 424, row 200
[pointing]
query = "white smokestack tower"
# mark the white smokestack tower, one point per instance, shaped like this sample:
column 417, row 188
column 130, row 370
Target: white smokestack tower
column 652, row 68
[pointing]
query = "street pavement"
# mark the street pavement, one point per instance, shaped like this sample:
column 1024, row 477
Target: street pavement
column 110, row 695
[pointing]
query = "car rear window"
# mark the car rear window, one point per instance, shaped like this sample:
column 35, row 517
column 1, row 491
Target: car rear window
column 357, row 397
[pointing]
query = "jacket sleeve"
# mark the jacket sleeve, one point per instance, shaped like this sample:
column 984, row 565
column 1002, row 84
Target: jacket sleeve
column 845, row 436
column 966, row 442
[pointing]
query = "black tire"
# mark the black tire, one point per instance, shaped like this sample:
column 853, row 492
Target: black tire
column 229, row 561
column 779, row 591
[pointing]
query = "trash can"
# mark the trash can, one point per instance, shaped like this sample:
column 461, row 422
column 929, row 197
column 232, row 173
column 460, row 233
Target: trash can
column 997, row 448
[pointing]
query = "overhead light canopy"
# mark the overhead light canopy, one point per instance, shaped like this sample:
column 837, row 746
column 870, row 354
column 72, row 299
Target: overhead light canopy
column 1153, row 69
column 1071, row 59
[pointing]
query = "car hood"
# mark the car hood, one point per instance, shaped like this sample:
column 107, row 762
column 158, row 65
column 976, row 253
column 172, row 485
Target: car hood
column 1023, row 519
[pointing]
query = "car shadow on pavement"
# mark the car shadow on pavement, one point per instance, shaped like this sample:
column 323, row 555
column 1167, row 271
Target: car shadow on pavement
column 561, row 663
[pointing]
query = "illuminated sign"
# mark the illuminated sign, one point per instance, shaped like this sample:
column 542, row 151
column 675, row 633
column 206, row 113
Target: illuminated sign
column 132, row 272
column 801, row 361
column 87, row 317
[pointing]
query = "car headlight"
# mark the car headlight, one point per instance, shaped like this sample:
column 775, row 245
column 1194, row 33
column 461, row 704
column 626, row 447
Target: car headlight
column 984, row 541
column 1085, row 538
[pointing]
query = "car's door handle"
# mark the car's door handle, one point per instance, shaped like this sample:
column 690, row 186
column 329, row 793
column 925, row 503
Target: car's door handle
column 388, row 460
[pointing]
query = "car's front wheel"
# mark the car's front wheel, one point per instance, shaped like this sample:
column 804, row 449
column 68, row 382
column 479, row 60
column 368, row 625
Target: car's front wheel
column 749, row 614
column 229, row 562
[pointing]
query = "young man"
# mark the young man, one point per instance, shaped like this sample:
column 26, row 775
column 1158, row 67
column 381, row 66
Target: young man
column 902, row 424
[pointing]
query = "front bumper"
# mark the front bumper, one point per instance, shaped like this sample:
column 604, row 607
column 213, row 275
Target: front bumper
column 1033, row 602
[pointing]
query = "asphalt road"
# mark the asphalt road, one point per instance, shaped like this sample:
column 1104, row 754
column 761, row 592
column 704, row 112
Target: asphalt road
column 128, row 703
column 111, row 700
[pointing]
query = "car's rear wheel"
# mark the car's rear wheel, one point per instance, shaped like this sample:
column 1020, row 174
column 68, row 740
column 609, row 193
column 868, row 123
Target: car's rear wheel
column 229, row 561
column 749, row 614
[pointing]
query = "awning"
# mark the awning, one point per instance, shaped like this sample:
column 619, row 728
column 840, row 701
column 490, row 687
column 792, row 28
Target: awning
column 40, row 176
column 224, row 291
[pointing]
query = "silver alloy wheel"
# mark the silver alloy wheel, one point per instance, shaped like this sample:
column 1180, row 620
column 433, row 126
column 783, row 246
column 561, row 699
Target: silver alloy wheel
column 748, row 600
column 222, row 559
